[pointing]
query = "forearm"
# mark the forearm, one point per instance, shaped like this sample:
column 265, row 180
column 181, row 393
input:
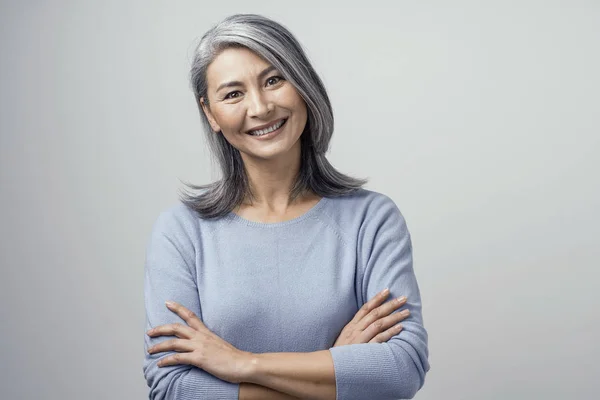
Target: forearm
column 302, row 375
column 250, row 391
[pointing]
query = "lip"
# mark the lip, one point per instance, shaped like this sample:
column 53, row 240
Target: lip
column 270, row 135
column 256, row 128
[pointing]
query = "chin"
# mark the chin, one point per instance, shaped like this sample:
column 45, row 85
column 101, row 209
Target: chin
column 266, row 156
column 274, row 153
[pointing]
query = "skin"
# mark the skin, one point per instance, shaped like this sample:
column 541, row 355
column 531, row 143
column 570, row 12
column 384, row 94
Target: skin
column 259, row 97
column 272, row 375
column 271, row 165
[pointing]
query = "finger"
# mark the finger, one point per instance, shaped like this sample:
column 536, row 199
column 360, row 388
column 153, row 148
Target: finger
column 180, row 345
column 382, row 324
column 387, row 335
column 176, row 359
column 370, row 305
column 381, row 311
column 186, row 314
column 179, row 330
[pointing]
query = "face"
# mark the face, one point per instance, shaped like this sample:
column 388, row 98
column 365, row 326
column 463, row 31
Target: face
column 259, row 113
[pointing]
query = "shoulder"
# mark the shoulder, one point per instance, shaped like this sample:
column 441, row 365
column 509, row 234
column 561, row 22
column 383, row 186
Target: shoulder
column 176, row 219
column 361, row 214
column 364, row 205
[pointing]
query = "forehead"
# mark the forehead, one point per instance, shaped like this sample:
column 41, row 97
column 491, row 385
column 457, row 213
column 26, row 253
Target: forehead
column 234, row 64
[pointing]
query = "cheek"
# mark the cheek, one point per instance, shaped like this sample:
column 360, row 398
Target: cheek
column 230, row 118
column 293, row 101
column 300, row 107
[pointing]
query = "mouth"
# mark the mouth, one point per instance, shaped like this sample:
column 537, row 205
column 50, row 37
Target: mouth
column 269, row 129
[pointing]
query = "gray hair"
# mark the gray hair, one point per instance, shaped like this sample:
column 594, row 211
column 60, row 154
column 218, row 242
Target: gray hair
column 274, row 43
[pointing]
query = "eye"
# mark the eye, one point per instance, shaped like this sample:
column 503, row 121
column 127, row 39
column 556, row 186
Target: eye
column 232, row 95
column 274, row 80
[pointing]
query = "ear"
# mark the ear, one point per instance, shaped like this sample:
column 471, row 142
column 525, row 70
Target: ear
column 211, row 119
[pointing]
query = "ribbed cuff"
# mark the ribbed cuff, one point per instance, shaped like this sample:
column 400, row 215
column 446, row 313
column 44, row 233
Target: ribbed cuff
column 198, row 384
column 362, row 371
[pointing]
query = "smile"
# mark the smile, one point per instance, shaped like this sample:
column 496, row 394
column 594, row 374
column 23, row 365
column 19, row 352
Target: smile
column 274, row 127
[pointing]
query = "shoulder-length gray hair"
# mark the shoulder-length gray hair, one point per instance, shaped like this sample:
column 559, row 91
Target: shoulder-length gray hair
column 276, row 45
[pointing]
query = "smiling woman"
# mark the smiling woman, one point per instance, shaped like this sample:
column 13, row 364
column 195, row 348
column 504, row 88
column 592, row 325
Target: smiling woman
column 278, row 272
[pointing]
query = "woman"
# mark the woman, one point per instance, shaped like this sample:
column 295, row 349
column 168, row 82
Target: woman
column 277, row 271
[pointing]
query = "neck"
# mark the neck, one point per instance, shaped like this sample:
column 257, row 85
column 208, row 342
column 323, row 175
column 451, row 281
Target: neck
column 271, row 181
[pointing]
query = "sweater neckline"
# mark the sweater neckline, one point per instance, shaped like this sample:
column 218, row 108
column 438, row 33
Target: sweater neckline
column 314, row 209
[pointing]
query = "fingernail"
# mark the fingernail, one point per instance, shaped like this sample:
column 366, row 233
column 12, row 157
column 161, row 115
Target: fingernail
column 169, row 303
column 385, row 291
column 401, row 299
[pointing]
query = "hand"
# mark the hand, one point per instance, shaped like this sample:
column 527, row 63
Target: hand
column 373, row 322
column 200, row 347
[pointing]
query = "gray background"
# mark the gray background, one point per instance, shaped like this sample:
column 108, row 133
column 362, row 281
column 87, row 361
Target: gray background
column 479, row 118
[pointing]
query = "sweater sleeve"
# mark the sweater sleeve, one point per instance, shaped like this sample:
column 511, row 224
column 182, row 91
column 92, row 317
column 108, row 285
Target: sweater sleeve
column 395, row 369
column 170, row 275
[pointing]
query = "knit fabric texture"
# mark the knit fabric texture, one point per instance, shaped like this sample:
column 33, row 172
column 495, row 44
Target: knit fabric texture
column 287, row 287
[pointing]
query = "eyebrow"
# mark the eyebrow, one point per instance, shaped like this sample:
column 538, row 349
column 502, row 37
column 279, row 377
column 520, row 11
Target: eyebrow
column 238, row 83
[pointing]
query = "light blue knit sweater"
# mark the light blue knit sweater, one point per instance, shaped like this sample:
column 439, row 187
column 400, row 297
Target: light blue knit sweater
column 287, row 287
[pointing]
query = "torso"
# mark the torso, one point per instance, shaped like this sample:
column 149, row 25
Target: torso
column 277, row 286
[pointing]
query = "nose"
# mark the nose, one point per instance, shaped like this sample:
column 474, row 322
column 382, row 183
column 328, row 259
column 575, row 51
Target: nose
column 259, row 106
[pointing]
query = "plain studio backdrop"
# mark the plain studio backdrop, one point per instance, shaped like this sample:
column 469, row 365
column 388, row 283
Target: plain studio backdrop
column 480, row 119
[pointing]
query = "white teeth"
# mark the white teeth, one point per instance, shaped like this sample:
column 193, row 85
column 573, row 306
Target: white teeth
column 270, row 129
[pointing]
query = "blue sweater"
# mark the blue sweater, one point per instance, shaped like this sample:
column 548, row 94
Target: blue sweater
column 287, row 287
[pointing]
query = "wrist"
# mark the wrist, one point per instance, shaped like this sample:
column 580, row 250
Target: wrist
column 250, row 367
